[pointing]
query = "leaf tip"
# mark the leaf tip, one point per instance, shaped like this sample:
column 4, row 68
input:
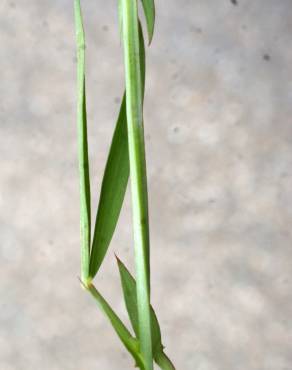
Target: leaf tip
column 119, row 262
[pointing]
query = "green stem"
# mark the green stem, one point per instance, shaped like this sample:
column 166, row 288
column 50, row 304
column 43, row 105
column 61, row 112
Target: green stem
column 138, row 172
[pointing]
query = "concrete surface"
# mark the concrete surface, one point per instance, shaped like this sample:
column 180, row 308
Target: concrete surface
column 219, row 144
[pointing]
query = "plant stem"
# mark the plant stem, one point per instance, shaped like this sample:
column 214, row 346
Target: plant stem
column 138, row 172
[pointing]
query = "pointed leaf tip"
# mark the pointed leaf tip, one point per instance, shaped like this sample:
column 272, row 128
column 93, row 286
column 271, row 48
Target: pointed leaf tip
column 149, row 11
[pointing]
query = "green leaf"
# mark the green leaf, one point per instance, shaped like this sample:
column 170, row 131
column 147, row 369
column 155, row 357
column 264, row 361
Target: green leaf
column 112, row 193
column 163, row 361
column 130, row 295
column 134, row 103
column 123, row 333
column 149, row 10
column 85, row 222
column 114, row 182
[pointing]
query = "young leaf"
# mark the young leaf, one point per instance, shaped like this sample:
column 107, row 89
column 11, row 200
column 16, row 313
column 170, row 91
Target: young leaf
column 123, row 333
column 112, row 193
column 114, row 181
column 85, row 222
column 163, row 361
column 136, row 144
column 149, row 11
column 130, row 295
column 129, row 290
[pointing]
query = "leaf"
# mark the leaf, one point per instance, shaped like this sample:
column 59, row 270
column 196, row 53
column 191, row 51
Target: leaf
column 163, row 361
column 130, row 296
column 134, row 103
column 114, row 183
column 149, row 11
column 85, row 221
column 123, row 333
column 112, row 193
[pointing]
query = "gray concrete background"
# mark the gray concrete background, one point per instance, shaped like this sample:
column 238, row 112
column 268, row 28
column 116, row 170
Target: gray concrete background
column 219, row 144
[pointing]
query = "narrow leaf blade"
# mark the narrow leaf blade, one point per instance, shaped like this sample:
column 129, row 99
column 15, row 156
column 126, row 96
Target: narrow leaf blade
column 123, row 333
column 149, row 11
column 130, row 296
column 85, row 218
column 114, row 183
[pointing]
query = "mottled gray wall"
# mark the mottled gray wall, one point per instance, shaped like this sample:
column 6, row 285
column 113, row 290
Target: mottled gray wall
column 219, row 144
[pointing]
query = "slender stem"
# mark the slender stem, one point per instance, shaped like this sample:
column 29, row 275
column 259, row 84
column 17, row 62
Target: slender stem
column 138, row 173
column 85, row 222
